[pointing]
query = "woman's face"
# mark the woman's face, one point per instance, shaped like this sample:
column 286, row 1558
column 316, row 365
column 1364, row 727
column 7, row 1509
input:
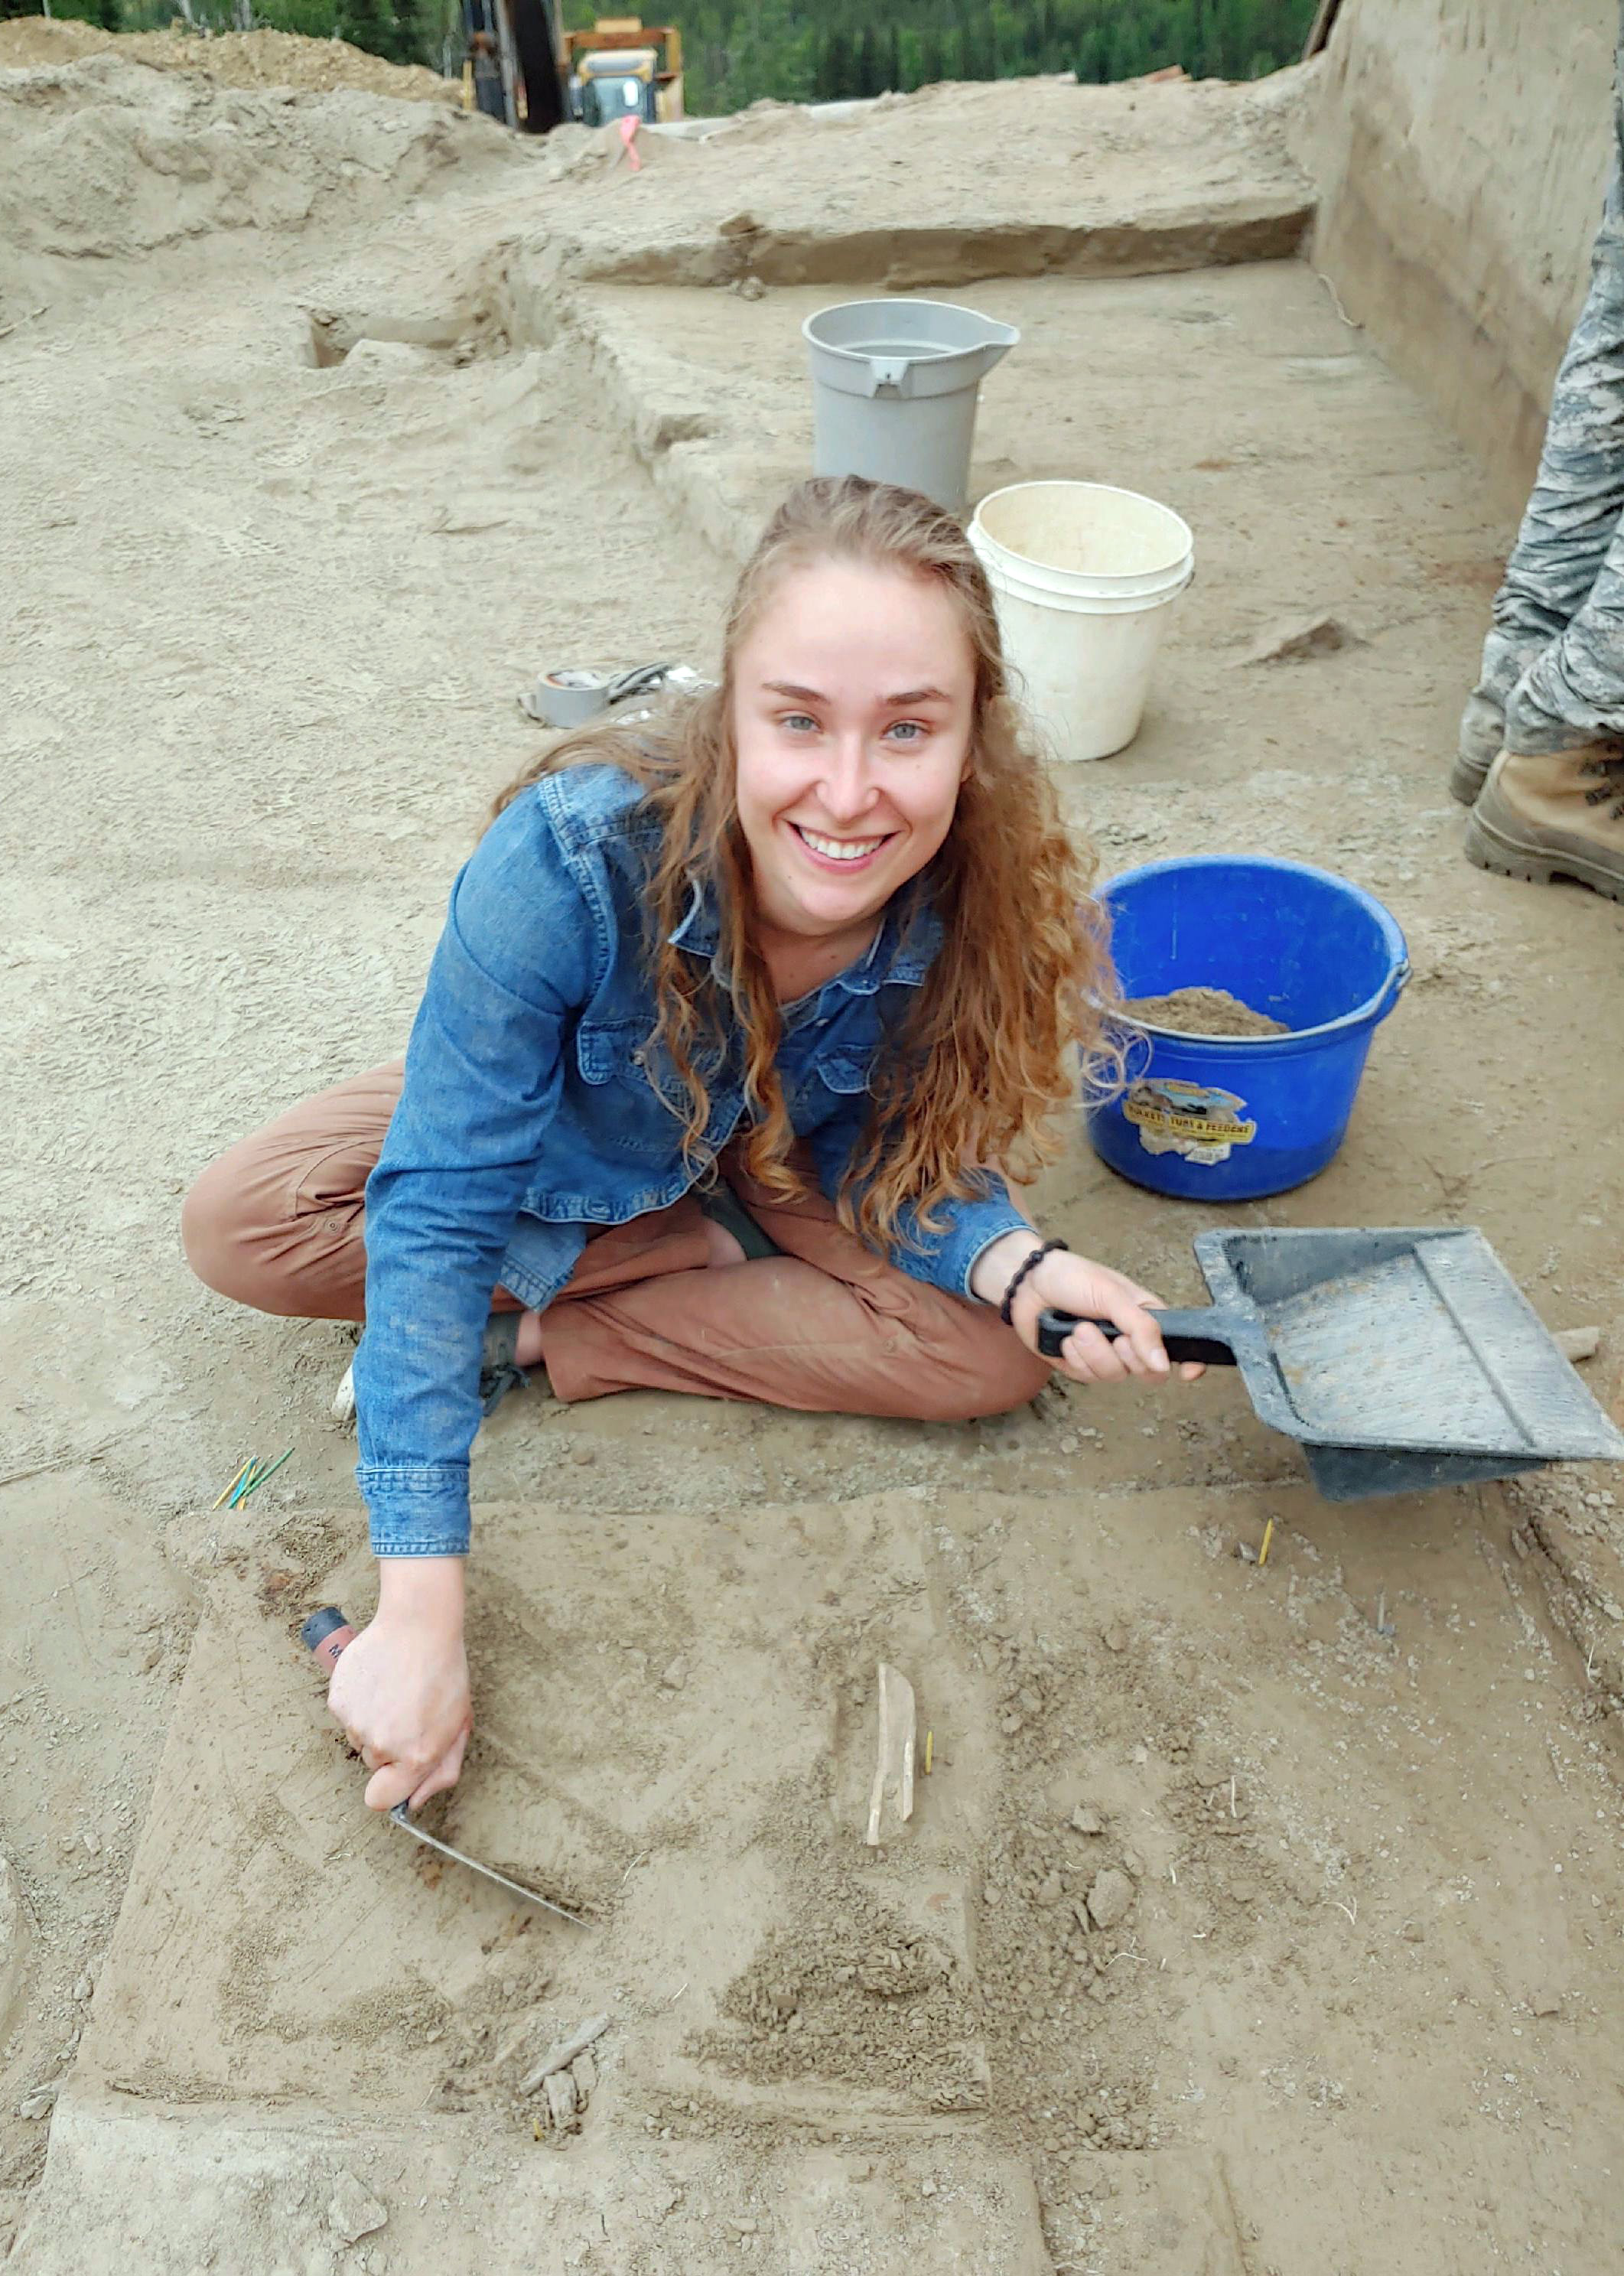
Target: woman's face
column 854, row 701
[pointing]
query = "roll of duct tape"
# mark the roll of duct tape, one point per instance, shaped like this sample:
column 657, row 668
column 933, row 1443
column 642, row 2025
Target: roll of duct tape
column 567, row 699
column 571, row 697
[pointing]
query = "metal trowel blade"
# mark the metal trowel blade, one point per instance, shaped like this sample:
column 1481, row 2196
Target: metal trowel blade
column 401, row 1817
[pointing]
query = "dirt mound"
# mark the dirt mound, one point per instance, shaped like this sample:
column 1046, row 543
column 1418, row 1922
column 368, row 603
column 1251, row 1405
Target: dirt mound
column 105, row 158
column 243, row 59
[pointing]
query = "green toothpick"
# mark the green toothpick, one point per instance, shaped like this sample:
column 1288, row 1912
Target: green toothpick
column 257, row 1479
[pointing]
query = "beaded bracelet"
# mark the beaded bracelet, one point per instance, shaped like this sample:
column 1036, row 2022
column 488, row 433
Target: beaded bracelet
column 1035, row 1259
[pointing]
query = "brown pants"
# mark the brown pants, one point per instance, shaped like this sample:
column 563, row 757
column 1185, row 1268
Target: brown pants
column 828, row 1327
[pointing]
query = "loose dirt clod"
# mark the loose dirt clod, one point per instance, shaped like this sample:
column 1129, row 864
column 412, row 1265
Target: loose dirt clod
column 1111, row 1898
column 1303, row 637
column 353, row 2211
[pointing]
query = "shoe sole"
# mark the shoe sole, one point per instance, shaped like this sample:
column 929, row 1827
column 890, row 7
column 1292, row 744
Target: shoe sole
column 1489, row 848
column 1467, row 777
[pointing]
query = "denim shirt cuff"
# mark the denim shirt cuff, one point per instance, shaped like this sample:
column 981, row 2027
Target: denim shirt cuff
column 949, row 1259
column 421, row 1510
column 982, row 1224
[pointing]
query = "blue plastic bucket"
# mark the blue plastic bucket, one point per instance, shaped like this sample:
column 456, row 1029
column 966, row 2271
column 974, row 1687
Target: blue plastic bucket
column 1230, row 1118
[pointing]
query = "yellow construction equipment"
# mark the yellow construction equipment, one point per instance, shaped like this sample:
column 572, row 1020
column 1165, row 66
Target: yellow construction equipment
column 623, row 69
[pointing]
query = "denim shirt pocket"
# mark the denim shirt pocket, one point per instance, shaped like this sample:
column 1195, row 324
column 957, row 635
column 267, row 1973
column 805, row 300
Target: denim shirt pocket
column 614, row 1058
column 645, row 1102
column 602, row 1051
column 834, row 1088
column 845, row 1073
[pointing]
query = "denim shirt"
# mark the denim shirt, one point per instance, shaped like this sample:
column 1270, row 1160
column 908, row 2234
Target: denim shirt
column 535, row 1107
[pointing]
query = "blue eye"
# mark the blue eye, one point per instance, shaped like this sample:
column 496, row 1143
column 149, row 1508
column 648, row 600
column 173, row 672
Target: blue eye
column 913, row 730
column 798, row 721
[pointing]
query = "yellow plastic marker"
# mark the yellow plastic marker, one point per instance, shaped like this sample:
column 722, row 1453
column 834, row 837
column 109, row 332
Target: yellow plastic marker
column 1263, row 1554
column 237, row 1480
column 930, row 1744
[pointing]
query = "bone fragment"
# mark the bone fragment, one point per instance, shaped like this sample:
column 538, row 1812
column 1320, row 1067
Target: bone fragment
column 893, row 1772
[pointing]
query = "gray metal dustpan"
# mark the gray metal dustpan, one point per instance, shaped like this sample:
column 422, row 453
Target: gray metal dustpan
column 1399, row 1359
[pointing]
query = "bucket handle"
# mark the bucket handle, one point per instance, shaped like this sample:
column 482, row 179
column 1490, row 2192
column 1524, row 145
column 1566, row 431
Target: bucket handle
column 1396, row 983
column 889, row 371
column 1376, row 1009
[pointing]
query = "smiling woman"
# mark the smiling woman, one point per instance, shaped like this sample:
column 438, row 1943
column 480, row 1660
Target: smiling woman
column 846, row 777
column 739, row 1019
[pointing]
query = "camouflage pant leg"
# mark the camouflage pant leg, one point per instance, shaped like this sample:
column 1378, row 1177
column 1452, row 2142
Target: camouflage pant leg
column 1559, row 614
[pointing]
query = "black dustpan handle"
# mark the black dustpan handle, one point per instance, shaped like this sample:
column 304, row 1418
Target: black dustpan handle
column 1187, row 1335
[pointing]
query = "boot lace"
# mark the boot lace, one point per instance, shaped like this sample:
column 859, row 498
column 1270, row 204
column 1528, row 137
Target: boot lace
column 1609, row 790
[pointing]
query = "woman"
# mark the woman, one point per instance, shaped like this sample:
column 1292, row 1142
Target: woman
column 727, row 1010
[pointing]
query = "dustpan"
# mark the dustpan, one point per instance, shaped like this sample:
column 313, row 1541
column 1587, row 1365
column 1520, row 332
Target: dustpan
column 1399, row 1359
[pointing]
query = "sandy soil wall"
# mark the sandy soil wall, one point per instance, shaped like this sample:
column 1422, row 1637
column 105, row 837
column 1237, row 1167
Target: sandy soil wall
column 1462, row 154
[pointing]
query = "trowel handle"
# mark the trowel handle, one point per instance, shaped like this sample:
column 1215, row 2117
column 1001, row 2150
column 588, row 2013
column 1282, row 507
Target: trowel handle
column 1187, row 1335
column 324, row 1635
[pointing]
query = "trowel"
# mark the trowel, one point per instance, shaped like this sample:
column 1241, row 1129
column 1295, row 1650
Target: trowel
column 324, row 1635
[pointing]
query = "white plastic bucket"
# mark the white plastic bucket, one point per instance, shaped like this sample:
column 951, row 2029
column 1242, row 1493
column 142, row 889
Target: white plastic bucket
column 1083, row 576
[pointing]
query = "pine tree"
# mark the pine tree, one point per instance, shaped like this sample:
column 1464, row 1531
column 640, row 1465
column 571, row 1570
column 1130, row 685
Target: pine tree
column 408, row 41
column 369, row 24
column 865, row 62
column 828, row 79
column 980, row 56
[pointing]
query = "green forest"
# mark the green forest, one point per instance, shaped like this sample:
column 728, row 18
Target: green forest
column 737, row 51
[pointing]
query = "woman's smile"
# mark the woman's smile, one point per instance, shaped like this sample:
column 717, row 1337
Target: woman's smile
column 829, row 852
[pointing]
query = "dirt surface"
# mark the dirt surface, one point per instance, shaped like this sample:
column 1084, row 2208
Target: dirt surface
column 246, row 59
column 304, row 480
column 1204, row 1012
column 1014, row 179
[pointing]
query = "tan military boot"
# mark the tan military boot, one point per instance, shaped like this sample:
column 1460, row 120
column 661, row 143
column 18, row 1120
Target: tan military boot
column 1482, row 739
column 1561, row 815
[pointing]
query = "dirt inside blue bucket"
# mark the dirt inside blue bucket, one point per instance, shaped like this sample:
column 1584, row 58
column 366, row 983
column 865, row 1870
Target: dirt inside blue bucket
column 1204, row 1012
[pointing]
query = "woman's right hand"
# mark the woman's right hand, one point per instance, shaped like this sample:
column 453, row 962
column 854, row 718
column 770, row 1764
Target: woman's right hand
column 401, row 1689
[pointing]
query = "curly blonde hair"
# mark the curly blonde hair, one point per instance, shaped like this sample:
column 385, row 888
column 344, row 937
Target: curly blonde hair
column 973, row 1072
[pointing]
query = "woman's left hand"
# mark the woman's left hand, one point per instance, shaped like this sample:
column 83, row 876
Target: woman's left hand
column 1065, row 1283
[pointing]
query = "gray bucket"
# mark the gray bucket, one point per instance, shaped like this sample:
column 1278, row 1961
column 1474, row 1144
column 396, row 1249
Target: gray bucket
column 893, row 391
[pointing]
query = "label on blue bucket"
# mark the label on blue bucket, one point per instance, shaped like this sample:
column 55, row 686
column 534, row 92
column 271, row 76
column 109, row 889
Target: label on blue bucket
column 1191, row 1118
